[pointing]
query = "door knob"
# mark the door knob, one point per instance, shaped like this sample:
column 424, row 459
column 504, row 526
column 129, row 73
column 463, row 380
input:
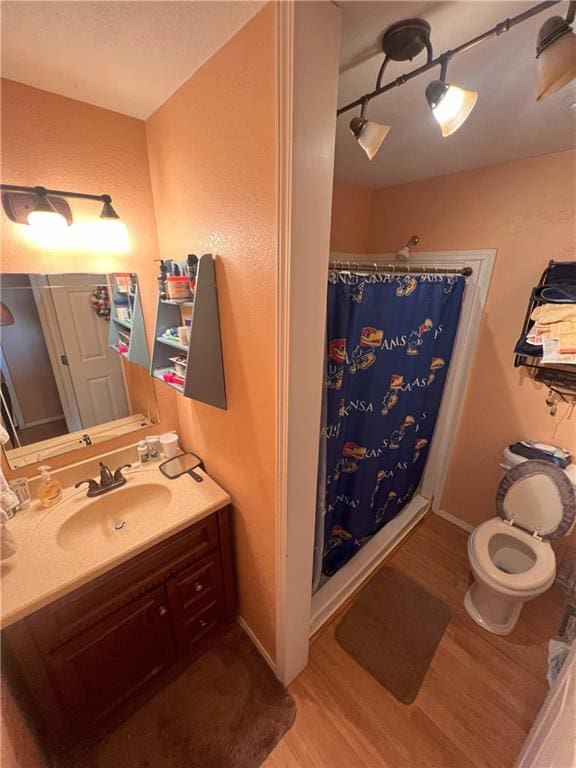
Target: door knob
column 163, row 611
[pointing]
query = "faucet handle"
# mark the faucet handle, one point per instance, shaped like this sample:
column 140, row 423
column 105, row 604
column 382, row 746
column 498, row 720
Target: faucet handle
column 106, row 476
column 118, row 473
column 92, row 485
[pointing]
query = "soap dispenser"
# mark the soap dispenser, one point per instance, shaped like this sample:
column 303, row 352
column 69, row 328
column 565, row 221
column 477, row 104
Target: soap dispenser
column 49, row 490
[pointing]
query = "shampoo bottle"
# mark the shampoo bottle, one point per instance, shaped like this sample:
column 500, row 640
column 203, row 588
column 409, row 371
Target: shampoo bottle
column 49, row 490
column 162, row 275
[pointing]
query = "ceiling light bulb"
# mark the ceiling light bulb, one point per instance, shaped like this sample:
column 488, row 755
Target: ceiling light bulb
column 368, row 134
column 450, row 105
column 556, row 54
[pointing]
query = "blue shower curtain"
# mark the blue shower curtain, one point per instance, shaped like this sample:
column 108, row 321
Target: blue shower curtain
column 389, row 342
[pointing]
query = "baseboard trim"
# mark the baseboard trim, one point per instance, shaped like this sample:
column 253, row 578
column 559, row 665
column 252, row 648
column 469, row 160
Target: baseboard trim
column 454, row 520
column 261, row 650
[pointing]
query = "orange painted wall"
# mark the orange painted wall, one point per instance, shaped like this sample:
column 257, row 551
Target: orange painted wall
column 66, row 144
column 351, row 211
column 212, row 148
column 526, row 210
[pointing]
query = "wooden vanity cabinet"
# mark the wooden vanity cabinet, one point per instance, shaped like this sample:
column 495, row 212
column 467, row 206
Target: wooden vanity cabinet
column 93, row 656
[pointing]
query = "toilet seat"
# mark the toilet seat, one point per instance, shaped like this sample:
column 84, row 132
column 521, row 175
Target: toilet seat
column 541, row 573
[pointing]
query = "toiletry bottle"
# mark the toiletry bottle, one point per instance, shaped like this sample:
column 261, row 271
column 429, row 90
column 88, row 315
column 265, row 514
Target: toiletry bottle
column 162, row 275
column 49, row 490
column 192, row 271
column 143, row 451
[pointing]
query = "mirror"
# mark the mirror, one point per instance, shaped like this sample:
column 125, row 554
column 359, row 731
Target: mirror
column 74, row 362
column 180, row 465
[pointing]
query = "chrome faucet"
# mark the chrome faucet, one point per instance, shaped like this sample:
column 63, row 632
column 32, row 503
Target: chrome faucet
column 108, row 480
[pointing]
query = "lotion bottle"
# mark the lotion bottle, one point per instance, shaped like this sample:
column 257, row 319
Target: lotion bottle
column 49, row 490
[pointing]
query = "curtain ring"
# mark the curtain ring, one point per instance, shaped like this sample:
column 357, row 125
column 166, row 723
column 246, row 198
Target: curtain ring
column 357, row 267
column 348, row 266
column 375, row 268
column 393, row 269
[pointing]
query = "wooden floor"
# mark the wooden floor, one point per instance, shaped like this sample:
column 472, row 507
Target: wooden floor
column 476, row 705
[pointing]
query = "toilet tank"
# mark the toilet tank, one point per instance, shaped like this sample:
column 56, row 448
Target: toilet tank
column 510, row 460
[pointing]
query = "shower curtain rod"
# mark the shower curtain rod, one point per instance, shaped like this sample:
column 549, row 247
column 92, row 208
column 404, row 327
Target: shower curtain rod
column 400, row 269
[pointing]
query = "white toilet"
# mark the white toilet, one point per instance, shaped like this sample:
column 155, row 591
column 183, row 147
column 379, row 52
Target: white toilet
column 510, row 556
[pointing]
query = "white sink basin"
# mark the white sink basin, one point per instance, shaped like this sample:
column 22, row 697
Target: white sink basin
column 106, row 517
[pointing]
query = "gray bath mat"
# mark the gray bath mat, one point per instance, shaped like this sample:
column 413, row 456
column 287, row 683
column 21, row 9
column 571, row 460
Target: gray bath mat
column 393, row 630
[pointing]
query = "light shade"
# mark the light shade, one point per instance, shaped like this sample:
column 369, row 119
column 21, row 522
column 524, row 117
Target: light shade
column 556, row 55
column 368, row 134
column 47, row 225
column 110, row 236
column 450, row 105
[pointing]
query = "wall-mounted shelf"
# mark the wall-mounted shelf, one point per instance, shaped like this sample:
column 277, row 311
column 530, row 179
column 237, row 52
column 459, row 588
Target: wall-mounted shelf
column 558, row 375
column 127, row 335
column 204, row 377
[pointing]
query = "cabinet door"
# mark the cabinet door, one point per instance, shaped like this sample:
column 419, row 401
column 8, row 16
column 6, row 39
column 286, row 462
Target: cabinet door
column 99, row 669
column 196, row 602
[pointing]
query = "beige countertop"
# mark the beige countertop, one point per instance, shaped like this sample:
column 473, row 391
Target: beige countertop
column 69, row 544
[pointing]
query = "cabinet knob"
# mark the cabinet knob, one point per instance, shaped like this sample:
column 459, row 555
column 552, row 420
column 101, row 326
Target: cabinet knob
column 203, row 623
column 163, row 611
column 198, row 587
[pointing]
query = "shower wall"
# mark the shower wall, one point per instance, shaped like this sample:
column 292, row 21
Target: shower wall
column 525, row 209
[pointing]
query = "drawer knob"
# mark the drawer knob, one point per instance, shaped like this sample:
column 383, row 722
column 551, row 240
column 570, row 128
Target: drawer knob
column 163, row 611
column 198, row 587
column 203, row 623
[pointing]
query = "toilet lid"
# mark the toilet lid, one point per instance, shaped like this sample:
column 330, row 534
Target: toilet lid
column 537, row 493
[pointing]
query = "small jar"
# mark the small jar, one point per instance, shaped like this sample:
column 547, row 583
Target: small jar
column 177, row 287
column 153, row 443
column 142, row 452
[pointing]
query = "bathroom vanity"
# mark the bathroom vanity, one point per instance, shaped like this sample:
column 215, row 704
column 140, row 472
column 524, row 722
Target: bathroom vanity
column 126, row 609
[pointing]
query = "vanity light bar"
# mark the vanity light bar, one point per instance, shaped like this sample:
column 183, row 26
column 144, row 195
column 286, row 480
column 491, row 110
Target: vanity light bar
column 16, row 200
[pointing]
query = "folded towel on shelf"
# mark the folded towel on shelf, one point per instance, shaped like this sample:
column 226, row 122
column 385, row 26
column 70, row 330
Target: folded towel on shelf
column 554, row 329
column 551, row 353
column 554, row 313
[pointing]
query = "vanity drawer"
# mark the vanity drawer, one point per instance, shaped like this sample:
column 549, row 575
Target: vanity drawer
column 196, row 600
column 192, row 626
column 64, row 619
column 196, row 586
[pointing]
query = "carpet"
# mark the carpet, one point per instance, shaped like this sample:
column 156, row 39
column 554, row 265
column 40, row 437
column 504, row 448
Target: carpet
column 227, row 710
column 392, row 630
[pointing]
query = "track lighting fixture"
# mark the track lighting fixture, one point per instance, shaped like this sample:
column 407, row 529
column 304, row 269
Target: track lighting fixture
column 451, row 105
column 50, row 219
column 369, row 135
column 556, row 53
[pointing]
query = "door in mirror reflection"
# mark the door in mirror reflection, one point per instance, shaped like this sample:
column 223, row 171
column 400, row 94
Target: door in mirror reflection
column 73, row 357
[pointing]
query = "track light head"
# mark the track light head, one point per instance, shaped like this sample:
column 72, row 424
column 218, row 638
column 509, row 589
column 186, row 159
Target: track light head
column 450, row 105
column 556, row 55
column 368, row 134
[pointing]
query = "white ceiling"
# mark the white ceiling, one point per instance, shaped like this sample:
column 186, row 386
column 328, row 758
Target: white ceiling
column 507, row 122
column 124, row 56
